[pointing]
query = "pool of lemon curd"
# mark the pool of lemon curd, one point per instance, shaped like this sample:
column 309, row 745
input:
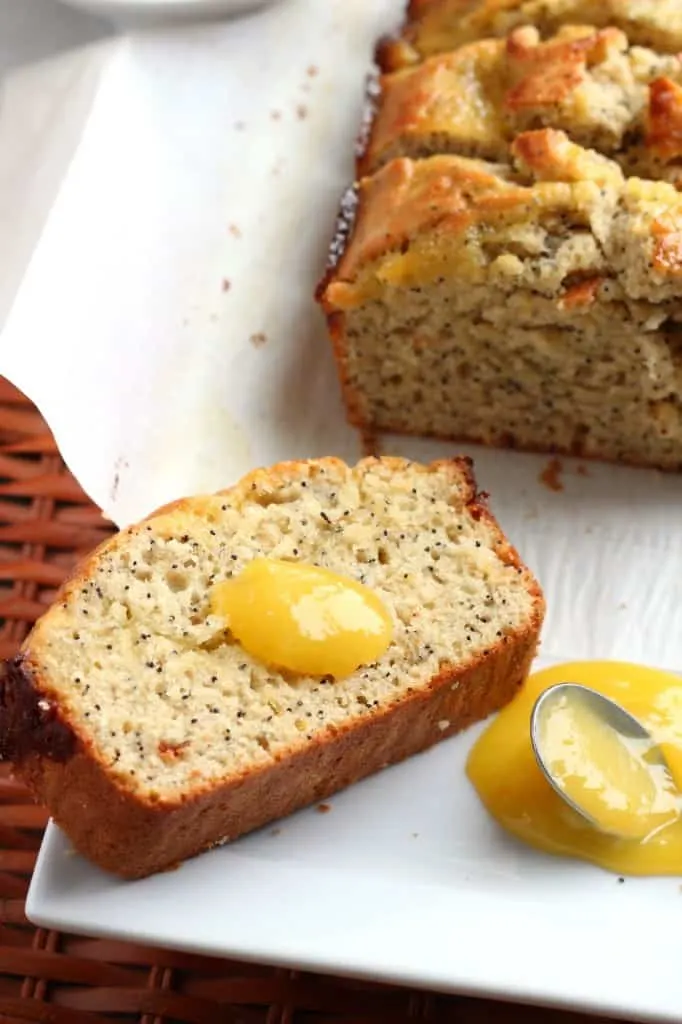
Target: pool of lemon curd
column 505, row 774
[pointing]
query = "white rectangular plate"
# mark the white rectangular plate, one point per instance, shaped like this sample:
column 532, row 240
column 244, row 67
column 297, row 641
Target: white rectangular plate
column 220, row 153
column 404, row 879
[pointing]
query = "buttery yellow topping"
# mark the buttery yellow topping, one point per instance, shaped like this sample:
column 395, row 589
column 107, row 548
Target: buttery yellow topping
column 303, row 618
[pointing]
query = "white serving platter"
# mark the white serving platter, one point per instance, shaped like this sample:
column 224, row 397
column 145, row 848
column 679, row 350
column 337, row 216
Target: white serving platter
column 166, row 329
column 404, row 879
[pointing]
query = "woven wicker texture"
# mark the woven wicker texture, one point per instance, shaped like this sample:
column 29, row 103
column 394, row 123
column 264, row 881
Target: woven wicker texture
column 46, row 523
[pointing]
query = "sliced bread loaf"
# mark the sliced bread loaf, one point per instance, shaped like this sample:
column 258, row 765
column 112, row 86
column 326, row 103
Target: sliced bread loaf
column 436, row 26
column 624, row 101
column 135, row 715
column 535, row 306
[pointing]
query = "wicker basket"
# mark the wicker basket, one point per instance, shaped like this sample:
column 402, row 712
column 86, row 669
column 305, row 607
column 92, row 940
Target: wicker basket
column 46, row 523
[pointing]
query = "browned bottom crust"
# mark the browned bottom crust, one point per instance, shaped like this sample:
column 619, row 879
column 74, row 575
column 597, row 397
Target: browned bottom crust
column 504, row 441
column 133, row 839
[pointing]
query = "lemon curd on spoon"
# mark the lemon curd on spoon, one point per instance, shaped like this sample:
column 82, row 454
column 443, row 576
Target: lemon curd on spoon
column 606, row 774
column 613, row 777
column 303, row 618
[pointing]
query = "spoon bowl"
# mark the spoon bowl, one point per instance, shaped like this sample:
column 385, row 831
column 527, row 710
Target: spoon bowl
column 610, row 715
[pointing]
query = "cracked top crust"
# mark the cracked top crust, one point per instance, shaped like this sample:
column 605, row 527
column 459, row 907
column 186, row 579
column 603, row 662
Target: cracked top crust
column 436, row 26
column 575, row 215
column 623, row 100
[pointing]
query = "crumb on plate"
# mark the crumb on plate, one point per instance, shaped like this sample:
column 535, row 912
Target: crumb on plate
column 551, row 475
column 370, row 444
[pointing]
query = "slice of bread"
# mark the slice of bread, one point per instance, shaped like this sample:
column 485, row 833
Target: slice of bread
column 151, row 735
column 436, row 26
column 535, row 306
column 624, row 101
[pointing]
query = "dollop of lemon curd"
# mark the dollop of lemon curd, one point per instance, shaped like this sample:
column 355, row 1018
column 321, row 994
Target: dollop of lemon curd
column 509, row 783
column 303, row 618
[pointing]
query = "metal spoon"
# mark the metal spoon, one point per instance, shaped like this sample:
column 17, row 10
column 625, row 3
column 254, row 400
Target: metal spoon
column 610, row 713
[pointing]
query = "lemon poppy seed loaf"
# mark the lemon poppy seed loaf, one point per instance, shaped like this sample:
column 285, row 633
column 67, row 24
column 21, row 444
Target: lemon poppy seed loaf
column 150, row 734
column 534, row 305
column 507, row 267
column 436, row 26
column 624, row 101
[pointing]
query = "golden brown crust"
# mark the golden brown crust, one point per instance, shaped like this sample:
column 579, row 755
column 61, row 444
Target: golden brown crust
column 419, row 219
column 541, row 152
column 546, row 73
column 134, row 837
column 473, row 101
column 131, row 839
column 392, row 53
column 443, row 91
column 352, row 399
column 436, row 26
column 407, row 197
column 667, row 256
column 664, row 122
column 469, row 78
column 549, row 155
column 582, row 293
